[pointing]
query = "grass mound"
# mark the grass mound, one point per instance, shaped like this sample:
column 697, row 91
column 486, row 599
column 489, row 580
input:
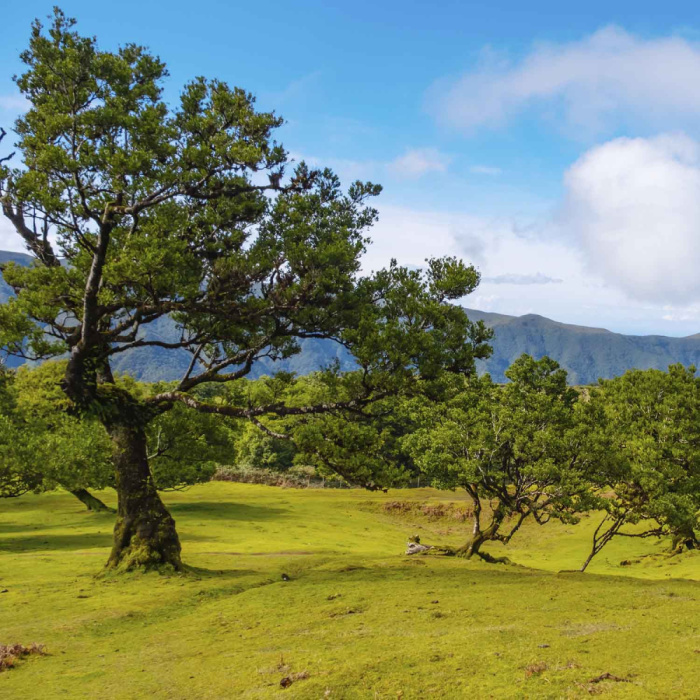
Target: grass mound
column 431, row 511
column 307, row 594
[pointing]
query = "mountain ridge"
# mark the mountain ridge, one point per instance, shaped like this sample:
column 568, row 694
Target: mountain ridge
column 587, row 353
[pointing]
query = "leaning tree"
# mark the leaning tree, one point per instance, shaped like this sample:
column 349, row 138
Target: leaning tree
column 645, row 439
column 517, row 450
column 135, row 210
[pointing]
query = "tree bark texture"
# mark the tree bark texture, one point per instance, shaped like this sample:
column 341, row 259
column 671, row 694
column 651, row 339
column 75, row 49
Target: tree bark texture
column 144, row 534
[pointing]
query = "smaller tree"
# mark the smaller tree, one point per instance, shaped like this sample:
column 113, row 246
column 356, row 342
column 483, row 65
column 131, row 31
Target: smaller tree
column 361, row 444
column 185, row 448
column 48, row 446
column 515, row 449
column 18, row 474
column 644, row 436
column 258, row 450
column 67, row 451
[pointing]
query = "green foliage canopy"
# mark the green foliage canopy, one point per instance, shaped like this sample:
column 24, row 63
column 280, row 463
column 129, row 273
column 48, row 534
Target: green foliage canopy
column 644, row 435
column 136, row 211
column 516, row 447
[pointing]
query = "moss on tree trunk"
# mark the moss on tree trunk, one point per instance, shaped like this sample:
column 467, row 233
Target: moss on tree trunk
column 682, row 539
column 487, row 534
column 144, row 534
column 473, row 546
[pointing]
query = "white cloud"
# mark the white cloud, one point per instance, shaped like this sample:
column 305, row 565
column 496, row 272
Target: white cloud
column 347, row 169
column 633, row 205
column 500, row 246
column 685, row 314
column 514, row 278
column 497, row 246
column 485, row 170
column 411, row 236
column 414, row 163
column 607, row 74
column 419, row 161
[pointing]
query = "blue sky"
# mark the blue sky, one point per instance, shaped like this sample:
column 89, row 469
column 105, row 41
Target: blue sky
column 553, row 145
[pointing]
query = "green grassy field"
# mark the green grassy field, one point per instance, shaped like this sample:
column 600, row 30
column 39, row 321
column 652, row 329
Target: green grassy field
column 358, row 618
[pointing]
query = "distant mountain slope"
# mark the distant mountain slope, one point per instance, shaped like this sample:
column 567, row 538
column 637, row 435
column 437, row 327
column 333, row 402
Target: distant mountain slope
column 154, row 364
column 586, row 353
column 5, row 257
column 6, row 291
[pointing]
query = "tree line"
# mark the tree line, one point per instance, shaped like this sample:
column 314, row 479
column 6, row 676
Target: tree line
column 626, row 451
column 134, row 209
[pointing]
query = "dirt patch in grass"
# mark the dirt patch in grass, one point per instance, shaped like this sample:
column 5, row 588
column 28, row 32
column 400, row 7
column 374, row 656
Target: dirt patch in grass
column 429, row 511
column 535, row 669
column 10, row 654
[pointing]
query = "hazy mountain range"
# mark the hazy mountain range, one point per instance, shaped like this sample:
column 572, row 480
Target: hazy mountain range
column 586, row 353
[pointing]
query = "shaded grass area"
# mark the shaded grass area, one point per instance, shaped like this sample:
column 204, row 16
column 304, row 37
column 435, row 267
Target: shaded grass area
column 357, row 616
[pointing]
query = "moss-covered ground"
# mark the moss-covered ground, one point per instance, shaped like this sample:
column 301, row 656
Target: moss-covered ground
column 357, row 619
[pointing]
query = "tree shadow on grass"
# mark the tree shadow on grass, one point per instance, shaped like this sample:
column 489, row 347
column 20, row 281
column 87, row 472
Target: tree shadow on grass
column 85, row 519
column 42, row 542
column 199, row 572
column 11, row 528
column 211, row 510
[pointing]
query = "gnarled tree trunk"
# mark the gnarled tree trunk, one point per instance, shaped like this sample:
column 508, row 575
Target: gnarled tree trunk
column 91, row 502
column 144, row 534
column 682, row 539
column 479, row 535
column 473, row 546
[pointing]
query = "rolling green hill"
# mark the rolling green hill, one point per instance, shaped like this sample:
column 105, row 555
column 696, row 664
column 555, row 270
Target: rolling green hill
column 353, row 619
column 586, row 353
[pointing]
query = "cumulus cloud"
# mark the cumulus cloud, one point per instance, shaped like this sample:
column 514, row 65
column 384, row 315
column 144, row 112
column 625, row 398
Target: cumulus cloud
column 609, row 73
column 501, row 245
column 512, row 278
column 411, row 236
column 497, row 246
column 634, row 207
column 419, row 161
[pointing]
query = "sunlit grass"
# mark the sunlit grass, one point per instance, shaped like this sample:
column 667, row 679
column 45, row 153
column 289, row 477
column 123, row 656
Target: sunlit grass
column 359, row 617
